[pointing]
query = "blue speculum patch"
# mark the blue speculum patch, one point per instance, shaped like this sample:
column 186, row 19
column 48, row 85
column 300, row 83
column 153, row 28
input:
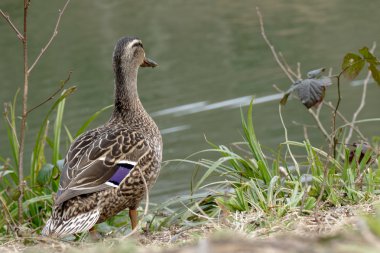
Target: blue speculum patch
column 121, row 172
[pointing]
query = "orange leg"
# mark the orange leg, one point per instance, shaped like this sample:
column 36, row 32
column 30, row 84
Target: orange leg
column 95, row 236
column 133, row 215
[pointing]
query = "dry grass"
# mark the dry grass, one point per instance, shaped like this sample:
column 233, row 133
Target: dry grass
column 339, row 229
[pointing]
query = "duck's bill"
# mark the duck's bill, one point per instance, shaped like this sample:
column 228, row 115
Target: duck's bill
column 148, row 63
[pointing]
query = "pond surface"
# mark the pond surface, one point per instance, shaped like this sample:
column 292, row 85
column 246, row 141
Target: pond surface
column 211, row 57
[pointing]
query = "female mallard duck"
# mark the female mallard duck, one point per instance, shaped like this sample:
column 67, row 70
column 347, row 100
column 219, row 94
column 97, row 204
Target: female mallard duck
column 103, row 168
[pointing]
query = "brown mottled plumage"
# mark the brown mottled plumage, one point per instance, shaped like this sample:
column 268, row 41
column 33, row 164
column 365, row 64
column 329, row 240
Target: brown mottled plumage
column 129, row 141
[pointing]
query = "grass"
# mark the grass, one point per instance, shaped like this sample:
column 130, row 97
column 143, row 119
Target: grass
column 244, row 179
column 298, row 189
column 239, row 187
column 330, row 231
column 243, row 188
column 42, row 172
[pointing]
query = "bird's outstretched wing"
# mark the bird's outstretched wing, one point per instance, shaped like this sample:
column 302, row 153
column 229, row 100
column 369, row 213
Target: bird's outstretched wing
column 99, row 159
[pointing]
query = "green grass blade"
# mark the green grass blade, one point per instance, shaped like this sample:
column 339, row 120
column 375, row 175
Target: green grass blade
column 83, row 128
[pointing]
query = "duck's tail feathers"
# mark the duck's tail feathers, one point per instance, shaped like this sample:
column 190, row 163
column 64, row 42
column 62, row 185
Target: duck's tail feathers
column 77, row 224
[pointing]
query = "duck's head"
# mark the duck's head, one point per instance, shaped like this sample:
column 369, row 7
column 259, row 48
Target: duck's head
column 129, row 53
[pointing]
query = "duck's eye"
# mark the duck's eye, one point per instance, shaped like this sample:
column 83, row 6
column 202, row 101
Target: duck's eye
column 138, row 44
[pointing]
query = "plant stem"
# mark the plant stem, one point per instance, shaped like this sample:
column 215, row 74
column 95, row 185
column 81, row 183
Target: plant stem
column 287, row 142
column 333, row 137
column 333, row 134
column 24, row 115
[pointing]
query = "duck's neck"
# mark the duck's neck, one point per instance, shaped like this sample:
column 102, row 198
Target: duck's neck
column 127, row 101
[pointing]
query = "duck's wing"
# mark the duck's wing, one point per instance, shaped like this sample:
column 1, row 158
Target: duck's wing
column 99, row 159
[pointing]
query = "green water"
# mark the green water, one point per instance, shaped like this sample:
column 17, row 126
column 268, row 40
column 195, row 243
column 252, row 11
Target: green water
column 210, row 54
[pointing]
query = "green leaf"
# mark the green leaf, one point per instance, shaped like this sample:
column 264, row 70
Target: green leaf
column 57, row 131
column 41, row 138
column 4, row 172
column 310, row 203
column 42, row 198
column 69, row 135
column 15, row 194
column 352, row 65
column 375, row 73
column 368, row 56
column 44, row 174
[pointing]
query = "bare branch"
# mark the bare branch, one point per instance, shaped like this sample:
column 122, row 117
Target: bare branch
column 52, row 95
column 287, row 141
column 55, row 32
column 8, row 19
column 319, row 123
column 287, row 66
column 345, row 120
column 277, row 88
column 330, row 71
column 361, row 106
column 8, row 217
column 271, row 46
column 362, row 102
column 22, row 183
column 299, row 75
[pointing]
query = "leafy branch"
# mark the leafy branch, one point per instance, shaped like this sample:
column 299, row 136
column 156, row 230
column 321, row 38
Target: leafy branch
column 311, row 91
column 352, row 65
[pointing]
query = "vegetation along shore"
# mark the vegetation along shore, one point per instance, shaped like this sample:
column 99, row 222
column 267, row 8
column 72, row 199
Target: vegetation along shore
column 243, row 197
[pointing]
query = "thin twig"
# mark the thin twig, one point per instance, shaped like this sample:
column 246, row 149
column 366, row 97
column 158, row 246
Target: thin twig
column 319, row 123
column 52, row 95
column 271, row 46
column 287, row 141
column 277, row 88
column 8, row 217
column 334, row 113
column 330, row 71
column 55, row 32
column 8, row 19
column 287, row 66
column 299, row 75
column 303, row 125
column 305, row 128
column 362, row 102
column 345, row 120
column 333, row 137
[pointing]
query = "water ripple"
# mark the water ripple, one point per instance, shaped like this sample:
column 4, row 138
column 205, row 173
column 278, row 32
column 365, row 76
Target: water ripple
column 206, row 106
